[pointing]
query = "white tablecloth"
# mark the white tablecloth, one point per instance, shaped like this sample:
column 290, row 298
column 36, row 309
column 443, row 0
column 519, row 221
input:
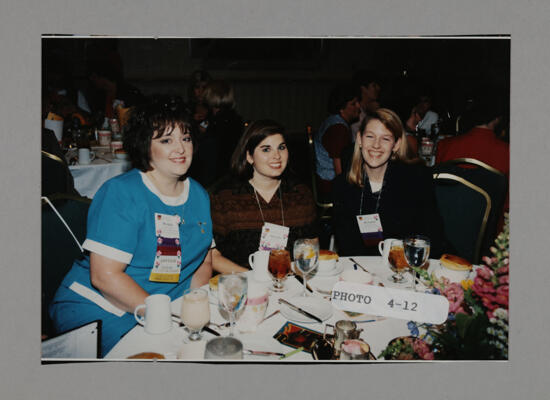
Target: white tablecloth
column 377, row 334
column 89, row 178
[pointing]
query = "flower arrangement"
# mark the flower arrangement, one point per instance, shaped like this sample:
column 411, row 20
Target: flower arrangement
column 477, row 325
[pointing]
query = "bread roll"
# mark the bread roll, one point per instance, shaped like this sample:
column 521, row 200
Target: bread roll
column 146, row 356
column 455, row 263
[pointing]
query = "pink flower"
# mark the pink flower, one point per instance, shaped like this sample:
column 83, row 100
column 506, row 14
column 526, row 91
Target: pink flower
column 455, row 295
column 504, row 280
column 485, row 273
column 503, row 270
column 480, row 287
column 421, row 348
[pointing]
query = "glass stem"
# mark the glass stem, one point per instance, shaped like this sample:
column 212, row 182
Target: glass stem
column 305, row 284
column 231, row 322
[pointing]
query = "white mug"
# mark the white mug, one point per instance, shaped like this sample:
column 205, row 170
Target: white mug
column 384, row 248
column 158, row 314
column 85, row 156
column 259, row 262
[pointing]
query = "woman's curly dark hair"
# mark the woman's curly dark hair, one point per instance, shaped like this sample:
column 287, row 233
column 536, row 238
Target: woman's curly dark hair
column 150, row 119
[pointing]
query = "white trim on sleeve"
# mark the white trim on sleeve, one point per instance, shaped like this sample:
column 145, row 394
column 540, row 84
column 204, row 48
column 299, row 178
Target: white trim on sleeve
column 213, row 244
column 107, row 251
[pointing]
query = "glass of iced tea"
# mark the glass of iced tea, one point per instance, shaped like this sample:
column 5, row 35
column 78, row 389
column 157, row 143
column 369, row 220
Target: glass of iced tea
column 279, row 268
column 398, row 262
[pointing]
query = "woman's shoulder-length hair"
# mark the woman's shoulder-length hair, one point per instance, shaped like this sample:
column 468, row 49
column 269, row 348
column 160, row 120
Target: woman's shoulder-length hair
column 391, row 122
column 253, row 135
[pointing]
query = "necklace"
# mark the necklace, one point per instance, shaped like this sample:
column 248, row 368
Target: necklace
column 260, row 207
column 377, row 198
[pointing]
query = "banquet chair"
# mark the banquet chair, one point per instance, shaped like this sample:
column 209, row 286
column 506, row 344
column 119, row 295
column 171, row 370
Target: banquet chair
column 491, row 180
column 324, row 208
column 465, row 209
column 63, row 229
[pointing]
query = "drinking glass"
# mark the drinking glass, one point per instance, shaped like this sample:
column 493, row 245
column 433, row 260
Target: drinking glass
column 306, row 257
column 279, row 267
column 232, row 291
column 417, row 250
column 397, row 261
column 195, row 311
column 223, row 348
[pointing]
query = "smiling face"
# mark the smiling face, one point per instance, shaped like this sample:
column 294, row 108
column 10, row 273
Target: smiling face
column 270, row 157
column 171, row 153
column 377, row 145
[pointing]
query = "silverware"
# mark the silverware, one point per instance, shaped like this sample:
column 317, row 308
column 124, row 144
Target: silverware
column 220, row 326
column 360, row 266
column 301, row 311
column 270, row 315
column 262, row 353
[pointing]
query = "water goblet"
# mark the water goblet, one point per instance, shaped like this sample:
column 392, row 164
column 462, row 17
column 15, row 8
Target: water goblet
column 306, row 257
column 417, row 250
column 195, row 311
column 279, row 267
column 232, row 293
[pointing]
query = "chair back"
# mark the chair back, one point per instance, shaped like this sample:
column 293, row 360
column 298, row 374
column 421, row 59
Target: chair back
column 487, row 178
column 324, row 206
column 59, row 243
column 465, row 209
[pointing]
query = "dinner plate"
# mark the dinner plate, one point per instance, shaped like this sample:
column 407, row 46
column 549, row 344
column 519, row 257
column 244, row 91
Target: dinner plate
column 316, row 306
column 437, row 270
column 339, row 267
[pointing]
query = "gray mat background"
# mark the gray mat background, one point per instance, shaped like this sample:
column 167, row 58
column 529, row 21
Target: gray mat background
column 23, row 22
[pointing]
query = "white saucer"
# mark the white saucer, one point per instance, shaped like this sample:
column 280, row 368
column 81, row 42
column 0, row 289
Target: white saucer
column 339, row 267
column 318, row 307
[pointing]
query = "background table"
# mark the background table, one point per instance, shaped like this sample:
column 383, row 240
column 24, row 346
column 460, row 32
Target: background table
column 89, row 178
column 377, row 334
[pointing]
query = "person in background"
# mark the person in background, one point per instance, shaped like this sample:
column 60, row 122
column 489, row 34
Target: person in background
column 195, row 96
column 422, row 118
column 261, row 191
column 382, row 185
column 224, row 123
column 149, row 230
column 483, row 121
column 334, row 135
column 369, row 87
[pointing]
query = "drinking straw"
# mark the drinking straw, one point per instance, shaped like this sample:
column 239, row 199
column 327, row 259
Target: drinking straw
column 291, row 353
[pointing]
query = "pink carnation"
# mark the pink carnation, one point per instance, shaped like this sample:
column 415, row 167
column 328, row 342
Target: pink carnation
column 503, row 270
column 504, row 280
column 421, row 348
column 485, row 273
column 480, row 286
column 455, row 295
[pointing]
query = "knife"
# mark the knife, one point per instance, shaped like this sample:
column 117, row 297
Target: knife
column 262, row 353
column 359, row 265
column 301, row 311
column 177, row 318
column 301, row 280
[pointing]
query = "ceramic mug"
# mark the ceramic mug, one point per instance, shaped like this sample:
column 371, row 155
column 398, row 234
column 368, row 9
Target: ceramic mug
column 158, row 314
column 259, row 261
column 384, row 248
column 85, row 156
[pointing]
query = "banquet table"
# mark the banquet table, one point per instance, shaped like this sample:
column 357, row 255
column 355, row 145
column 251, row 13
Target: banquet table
column 175, row 346
column 89, row 178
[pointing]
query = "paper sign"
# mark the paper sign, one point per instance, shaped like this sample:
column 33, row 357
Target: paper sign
column 390, row 302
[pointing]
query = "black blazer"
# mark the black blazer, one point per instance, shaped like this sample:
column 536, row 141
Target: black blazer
column 407, row 206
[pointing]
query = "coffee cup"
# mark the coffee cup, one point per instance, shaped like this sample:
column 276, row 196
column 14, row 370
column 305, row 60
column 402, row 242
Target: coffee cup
column 384, row 248
column 85, row 156
column 158, row 315
column 255, row 307
column 356, row 276
column 104, row 137
column 259, row 261
column 116, row 144
column 327, row 260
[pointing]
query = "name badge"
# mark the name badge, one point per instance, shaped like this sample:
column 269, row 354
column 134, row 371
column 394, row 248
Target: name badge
column 390, row 302
column 167, row 263
column 370, row 227
column 273, row 236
